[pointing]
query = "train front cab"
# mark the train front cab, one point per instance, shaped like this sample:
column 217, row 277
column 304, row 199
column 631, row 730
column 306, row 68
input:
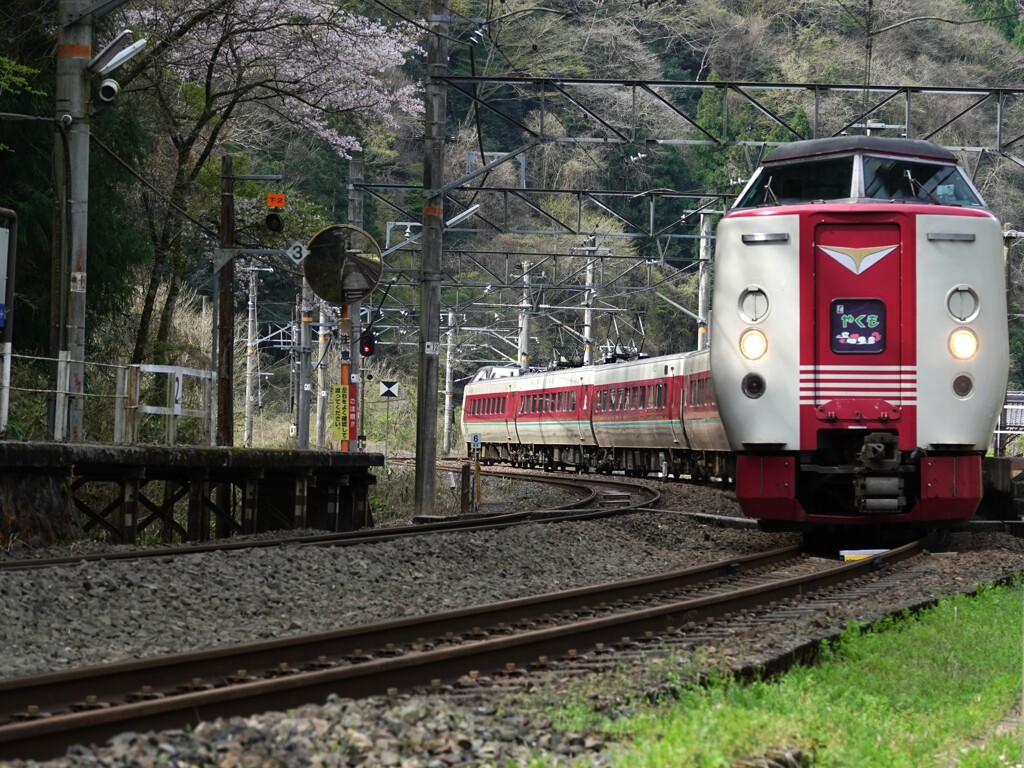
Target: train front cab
column 859, row 409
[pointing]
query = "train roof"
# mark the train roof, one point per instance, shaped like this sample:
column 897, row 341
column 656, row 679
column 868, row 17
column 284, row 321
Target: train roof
column 847, row 144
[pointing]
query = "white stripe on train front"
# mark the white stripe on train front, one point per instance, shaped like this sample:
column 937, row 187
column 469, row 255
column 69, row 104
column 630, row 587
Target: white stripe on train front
column 820, row 384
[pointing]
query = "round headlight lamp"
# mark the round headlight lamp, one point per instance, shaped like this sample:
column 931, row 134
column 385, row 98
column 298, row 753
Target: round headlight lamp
column 963, row 344
column 753, row 344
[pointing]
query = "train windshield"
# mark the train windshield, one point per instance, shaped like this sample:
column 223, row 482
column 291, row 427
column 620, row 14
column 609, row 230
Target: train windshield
column 887, row 178
column 875, row 178
column 802, row 182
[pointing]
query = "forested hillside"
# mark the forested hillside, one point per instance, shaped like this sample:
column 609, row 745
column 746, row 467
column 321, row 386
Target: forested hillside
column 300, row 87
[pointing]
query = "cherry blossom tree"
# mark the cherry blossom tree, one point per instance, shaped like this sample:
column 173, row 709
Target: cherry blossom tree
column 241, row 72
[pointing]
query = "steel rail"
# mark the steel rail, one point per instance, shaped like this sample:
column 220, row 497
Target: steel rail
column 586, row 508
column 45, row 737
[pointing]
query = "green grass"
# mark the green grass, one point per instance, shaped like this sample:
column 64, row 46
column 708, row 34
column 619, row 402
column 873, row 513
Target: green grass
column 926, row 690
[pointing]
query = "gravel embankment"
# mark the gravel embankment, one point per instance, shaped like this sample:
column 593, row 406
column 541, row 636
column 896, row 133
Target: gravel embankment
column 95, row 613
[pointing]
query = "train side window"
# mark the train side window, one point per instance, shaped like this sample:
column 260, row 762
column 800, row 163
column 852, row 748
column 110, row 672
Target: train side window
column 659, row 396
column 572, row 401
column 700, row 392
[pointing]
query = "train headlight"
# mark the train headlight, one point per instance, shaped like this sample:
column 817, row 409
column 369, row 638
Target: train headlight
column 753, row 343
column 963, row 344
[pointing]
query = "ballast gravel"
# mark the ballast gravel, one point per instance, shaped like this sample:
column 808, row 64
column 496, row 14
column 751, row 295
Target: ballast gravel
column 95, row 613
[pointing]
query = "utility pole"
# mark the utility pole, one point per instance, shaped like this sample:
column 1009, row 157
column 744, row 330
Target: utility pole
column 74, row 50
column 430, row 270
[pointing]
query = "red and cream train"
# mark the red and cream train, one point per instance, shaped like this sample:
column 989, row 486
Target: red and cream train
column 857, row 362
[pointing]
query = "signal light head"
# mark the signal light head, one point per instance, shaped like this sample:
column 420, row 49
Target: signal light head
column 274, row 222
column 367, row 343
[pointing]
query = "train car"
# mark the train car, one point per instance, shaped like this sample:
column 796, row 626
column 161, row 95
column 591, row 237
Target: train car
column 643, row 416
column 859, row 349
column 551, row 412
column 487, row 410
column 637, row 415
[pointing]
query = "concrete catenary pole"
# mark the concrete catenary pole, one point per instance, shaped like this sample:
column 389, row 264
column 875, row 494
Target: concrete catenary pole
column 323, row 340
column 588, row 315
column 8, row 255
column 704, row 281
column 430, row 270
column 225, row 279
column 305, row 367
column 449, row 384
column 74, row 49
column 524, row 321
column 355, row 329
column 250, row 358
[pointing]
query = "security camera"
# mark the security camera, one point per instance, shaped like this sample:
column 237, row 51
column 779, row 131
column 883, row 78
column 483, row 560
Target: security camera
column 109, row 90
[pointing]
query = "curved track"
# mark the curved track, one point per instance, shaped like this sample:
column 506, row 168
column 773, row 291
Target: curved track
column 597, row 498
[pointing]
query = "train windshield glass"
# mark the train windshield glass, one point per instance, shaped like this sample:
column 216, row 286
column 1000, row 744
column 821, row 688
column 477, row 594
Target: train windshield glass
column 803, row 182
column 887, row 178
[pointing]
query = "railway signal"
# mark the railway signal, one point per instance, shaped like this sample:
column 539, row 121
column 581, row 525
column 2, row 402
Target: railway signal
column 367, row 343
column 275, row 202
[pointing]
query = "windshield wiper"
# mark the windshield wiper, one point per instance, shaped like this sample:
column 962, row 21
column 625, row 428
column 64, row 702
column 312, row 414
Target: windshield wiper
column 916, row 186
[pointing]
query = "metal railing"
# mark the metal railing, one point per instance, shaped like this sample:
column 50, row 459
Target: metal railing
column 121, row 400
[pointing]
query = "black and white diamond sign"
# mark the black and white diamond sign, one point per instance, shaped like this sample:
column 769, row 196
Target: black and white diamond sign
column 389, row 389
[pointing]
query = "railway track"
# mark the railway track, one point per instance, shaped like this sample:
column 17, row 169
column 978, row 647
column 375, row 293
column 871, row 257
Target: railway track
column 41, row 716
column 595, row 499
